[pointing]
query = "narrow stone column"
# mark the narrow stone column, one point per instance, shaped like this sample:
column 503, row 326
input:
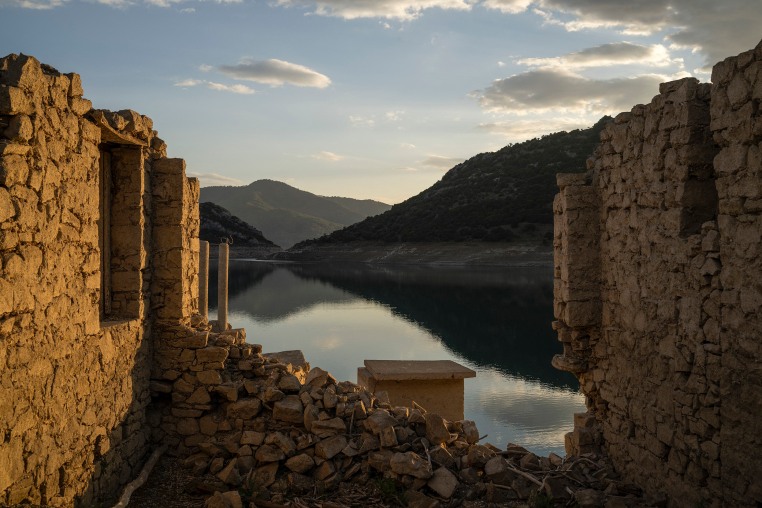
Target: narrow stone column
column 222, row 288
column 203, row 279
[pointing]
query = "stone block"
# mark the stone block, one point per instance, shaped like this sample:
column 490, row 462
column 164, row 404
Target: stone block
column 581, row 313
column 269, row 453
column 250, row 437
column 443, row 482
column 14, row 169
column 290, row 409
column 19, row 129
column 328, row 427
column 301, row 463
column 7, row 209
column 410, row 463
column 245, row 409
column 209, row 377
column 190, row 340
column 187, row 426
column 436, row 429
column 229, row 474
column 14, row 101
column 80, row 106
column 211, row 354
column 330, row 447
column 264, row 476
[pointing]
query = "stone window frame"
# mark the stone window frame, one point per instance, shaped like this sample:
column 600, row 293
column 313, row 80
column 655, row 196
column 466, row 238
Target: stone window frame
column 104, row 230
column 121, row 225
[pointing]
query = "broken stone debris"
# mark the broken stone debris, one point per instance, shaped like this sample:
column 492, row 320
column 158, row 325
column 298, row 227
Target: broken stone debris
column 277, row 431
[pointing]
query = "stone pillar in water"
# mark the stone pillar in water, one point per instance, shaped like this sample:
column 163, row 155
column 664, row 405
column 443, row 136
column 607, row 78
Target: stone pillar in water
column 203, row 279
column 222, row 288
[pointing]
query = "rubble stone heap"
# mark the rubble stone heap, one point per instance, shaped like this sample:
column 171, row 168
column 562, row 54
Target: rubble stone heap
column 273, row 430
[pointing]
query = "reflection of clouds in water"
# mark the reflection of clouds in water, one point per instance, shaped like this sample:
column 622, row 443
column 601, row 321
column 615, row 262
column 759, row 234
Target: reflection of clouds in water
column 363, row 330
column 337, row 331
column 280, row 294
column 534, row 414
column 328, row 343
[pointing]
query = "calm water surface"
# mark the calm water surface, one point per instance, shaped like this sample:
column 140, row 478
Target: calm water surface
column 494, row 321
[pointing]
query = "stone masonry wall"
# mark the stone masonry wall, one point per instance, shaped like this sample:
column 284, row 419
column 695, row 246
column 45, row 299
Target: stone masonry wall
column 658, row 291
column 74, row 389
column 737, row 128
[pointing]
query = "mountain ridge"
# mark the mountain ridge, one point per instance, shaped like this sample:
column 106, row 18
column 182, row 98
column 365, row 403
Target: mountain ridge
column 217, row 223
column 499, row 196
column 287, row 215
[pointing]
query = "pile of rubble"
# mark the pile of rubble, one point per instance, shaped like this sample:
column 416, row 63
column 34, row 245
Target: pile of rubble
column 271, row 432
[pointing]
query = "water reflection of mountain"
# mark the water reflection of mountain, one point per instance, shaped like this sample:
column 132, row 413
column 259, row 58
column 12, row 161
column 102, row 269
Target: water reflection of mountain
column 270, row 292
column 492, row 318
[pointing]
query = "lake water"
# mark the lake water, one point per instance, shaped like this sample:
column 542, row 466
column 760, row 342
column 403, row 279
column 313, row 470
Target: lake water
column 494, row 321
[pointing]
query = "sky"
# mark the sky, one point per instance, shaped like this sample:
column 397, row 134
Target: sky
column 370, row 98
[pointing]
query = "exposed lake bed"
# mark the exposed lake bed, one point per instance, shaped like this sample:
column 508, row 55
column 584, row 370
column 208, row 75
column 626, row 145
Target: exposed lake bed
column 494, row 321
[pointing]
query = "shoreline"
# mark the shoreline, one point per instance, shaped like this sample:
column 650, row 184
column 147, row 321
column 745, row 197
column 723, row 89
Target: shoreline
column 498, row 254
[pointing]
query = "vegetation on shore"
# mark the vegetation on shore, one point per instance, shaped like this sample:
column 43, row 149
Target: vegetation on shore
column 495, row 196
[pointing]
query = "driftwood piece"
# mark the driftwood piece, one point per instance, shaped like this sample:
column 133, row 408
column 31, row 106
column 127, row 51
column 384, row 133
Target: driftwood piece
column 141, row 479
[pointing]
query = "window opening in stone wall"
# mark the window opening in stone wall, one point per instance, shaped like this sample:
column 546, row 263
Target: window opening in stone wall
column 698, row 200
column 121, row 231
column 104, row 232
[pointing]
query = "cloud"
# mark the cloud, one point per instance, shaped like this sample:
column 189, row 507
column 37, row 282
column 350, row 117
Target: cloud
column 409, row 146
column 34, row 4
column 50, row 4
column 327, row 156
column 393, row 116
column 237, row 88
column 388, row 117
column 188, row 83
column 440, row 162
column 618, row 53
column 275, row 72
column 714, row 28
column 508, row 6
column 361, row 121
column 169, row 3
column 208, row 179
column 520, row 130
column 542, row 90
column 220, row 87
column 388, row 9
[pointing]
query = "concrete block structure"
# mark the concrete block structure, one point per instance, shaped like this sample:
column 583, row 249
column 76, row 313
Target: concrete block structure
column 436, row 385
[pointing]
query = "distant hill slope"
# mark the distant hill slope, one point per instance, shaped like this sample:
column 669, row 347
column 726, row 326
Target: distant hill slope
column 288, row 215
column 217, row 223
column 495, row 196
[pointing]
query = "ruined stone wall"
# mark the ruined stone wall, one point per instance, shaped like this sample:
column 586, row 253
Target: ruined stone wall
column 658, row 288
column 737, row 128
column 75, row 358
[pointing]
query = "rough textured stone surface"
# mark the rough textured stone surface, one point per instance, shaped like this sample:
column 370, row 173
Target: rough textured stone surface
column 75, row 382
column 289, row 409
column 412, row 464
column 443, row 483
column 436, row 429
column 657, row 289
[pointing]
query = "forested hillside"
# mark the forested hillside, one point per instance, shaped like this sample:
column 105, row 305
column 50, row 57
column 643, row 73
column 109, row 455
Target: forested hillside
column 494, row 196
